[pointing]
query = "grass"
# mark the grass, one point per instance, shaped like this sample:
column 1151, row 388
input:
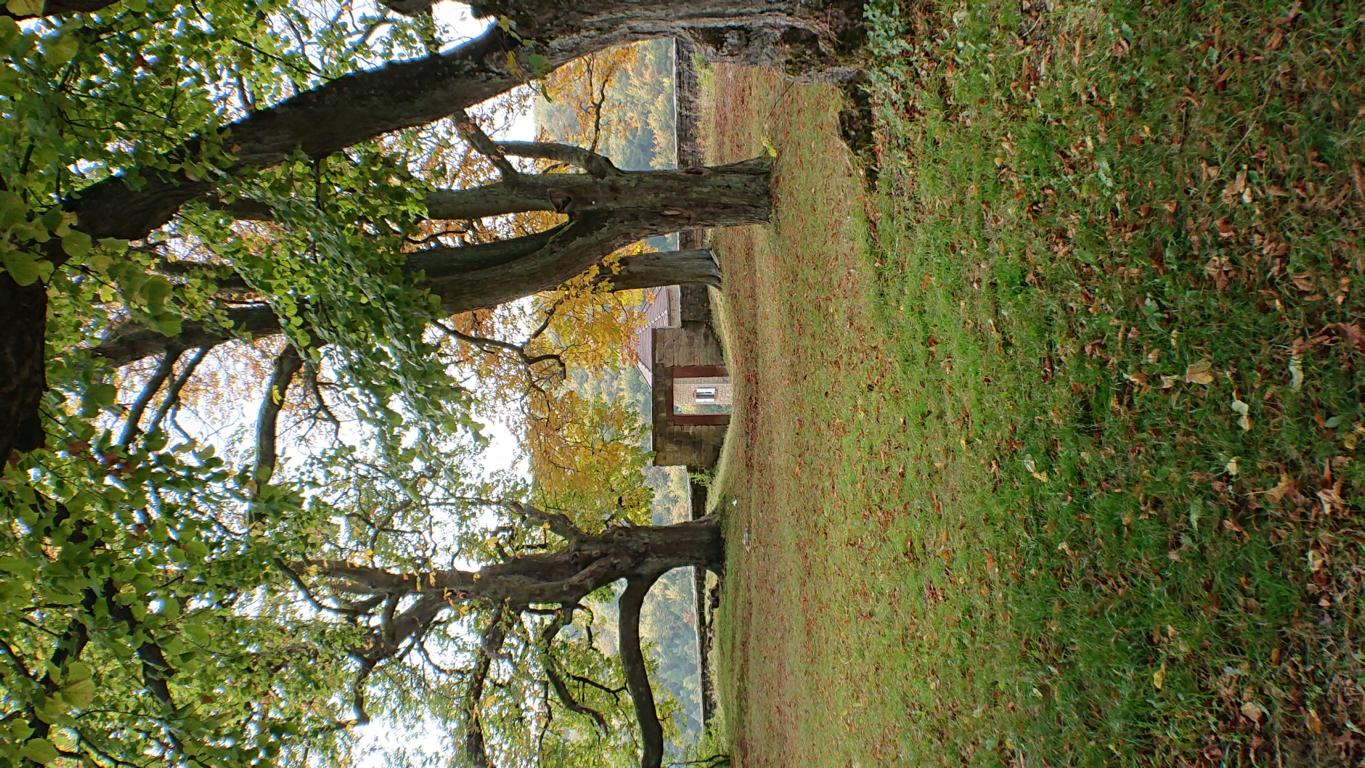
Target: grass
column 1047, row 451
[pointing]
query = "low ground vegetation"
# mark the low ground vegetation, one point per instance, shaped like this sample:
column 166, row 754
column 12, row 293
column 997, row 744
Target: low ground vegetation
column 1049, row 445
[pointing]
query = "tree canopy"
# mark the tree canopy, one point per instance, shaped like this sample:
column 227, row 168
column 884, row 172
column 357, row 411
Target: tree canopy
column 217, row 218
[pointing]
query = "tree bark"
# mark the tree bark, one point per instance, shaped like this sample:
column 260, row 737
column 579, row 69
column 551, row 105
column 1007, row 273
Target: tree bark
column 587, row 562
column 621, row 210
column 651, row 270
column 23, row 316
column 364, row 105
column 59, row 8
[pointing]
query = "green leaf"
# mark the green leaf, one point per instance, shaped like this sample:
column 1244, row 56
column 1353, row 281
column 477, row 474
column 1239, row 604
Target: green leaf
column 39, row 751
column 58, row 221
column 76, row 244
column 80, row 693
column 13, row 209
column 25, row 7
column 539, row 64
column 24, row 267
column 62, row 50
column 77, row 671
column 197, row 549
column 168, row 323
column 155, row 292
column 103, row 393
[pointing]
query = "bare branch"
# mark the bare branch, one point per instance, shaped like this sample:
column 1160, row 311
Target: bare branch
column 494, row 345
column 485, row 146
column 163, row 371
column 172, row 398
column 595, row 164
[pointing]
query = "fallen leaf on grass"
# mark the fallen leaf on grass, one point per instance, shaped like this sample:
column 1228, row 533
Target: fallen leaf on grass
column 1281, row 489
column 1243, row 412
column 1200, row 372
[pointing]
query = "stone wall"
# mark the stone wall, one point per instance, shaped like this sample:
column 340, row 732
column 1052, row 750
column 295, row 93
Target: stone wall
column 693, row 446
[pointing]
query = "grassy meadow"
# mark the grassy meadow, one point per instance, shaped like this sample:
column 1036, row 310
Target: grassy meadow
column 1046, row 450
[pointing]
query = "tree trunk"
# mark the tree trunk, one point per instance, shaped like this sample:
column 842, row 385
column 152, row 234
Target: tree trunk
column 23, row 381
column 59, row 8
column 405, row 94
column 651, row 270
column 587, row 562
column 364, row 105
column 799, row 36
column 618, row 210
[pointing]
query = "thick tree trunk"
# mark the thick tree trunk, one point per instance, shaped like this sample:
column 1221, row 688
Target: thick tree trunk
column 651, row 270
column 363, row 105
column 799, row 34
column 619, row 210
column 59, row 8
column 587, row 563
column 22, row 365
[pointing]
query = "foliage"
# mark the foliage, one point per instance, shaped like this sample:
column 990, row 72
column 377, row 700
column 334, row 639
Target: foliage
column 619, row 100
column 164, row 592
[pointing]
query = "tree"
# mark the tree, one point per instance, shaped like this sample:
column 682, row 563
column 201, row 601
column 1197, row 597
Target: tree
column 182, row 174
column 606, row 212
column 531, row 37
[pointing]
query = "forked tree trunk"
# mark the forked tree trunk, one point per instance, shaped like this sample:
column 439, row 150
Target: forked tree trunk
column 809, row 35
column 605, row 214
column 639, row 555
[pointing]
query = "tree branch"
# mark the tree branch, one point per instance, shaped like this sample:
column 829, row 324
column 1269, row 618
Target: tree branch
column 177, row 386
column 163, row 371
column 490, row 643
column 319, row 122
column 287, row 365
column 59, row 8
column 484, row 145
column 595, row 164
column 637, row 676
column 555, row 521
column 550, row 664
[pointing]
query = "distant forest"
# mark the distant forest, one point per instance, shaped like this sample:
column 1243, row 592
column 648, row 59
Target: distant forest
column 636, row 130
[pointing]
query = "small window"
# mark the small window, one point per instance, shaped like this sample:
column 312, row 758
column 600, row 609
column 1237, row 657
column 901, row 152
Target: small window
column 705, row 395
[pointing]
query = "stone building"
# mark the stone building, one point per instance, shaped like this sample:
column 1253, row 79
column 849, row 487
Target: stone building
column 691, row 387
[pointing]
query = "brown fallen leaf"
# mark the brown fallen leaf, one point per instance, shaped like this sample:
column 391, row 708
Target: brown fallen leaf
column 1282, row 489
column 1200, row 372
